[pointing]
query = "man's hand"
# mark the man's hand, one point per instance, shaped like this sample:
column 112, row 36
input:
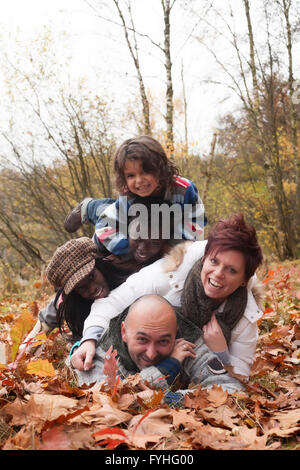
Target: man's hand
column 183, row 349
column 213, row 335
column 82, row 358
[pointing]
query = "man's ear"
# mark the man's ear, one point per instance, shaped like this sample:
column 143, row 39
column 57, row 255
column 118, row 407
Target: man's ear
column 123, row 332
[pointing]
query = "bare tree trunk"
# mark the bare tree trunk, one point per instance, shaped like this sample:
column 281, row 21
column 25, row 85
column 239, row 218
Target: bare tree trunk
column 168, row 66
column 133, row 49
column 271, row 152
column 209, row 168
column 186, row 141
column 293, row 124
column 252, row 56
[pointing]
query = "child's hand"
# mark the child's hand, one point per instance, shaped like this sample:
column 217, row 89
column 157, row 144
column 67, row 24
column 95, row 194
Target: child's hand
column 183, row 349
column 82, row 358
column 213, row 335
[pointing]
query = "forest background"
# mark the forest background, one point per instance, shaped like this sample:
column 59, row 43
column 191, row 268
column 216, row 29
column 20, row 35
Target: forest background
column 216, row 82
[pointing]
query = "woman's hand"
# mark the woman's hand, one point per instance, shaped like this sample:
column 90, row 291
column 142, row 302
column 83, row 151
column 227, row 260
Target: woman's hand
column 82, row 358
column 213, row 335
column 183, row 349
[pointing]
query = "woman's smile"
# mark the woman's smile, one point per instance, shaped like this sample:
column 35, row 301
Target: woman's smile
column 222, row 273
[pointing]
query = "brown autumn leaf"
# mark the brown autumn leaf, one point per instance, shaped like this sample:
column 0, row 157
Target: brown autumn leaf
column 25, row 439
column 185, row 418
column 196, row 398
column 58, row 387
column 39, row 408
column 110, row 367
column 80, row 436
column 222, row 416
column 126, row 400
column 261, row 366
column 287, row 418
column 55, row 439
column 103, row 411
column 153, row 423
column 285, row 433
column 33, row 387
column 213, row 438
column 217, row 396
column 254, row 442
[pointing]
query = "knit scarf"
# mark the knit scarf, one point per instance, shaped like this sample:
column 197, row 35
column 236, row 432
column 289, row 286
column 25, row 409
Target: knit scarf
column 112, row 337
column 198, row 307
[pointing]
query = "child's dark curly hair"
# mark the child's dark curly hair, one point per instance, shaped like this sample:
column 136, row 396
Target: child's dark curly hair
column 153, row 158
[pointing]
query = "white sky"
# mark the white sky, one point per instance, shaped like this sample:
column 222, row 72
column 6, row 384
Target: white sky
column 99, row 53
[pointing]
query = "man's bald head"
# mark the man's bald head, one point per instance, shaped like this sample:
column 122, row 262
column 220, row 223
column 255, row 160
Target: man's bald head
column 154, row 308
column 149, row 330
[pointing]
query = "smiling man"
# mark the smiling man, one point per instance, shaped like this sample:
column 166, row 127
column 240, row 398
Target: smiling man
column 153, row 340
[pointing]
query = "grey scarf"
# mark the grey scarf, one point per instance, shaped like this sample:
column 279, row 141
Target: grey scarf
column 198, row 308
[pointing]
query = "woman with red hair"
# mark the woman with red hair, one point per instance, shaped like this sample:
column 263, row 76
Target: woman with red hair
column 211, row 282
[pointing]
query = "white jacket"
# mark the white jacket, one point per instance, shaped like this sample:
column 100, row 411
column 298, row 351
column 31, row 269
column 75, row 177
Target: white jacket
column 166, row 277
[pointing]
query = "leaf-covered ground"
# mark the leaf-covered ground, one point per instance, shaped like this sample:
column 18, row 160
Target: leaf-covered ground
column 41, row 407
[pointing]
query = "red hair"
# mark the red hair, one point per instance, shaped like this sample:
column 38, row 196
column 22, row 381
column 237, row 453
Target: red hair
column 235, row 234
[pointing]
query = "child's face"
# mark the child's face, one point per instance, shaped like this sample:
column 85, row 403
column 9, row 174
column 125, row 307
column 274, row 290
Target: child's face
column 93, row 286
column 145, row 249
column 138, row 182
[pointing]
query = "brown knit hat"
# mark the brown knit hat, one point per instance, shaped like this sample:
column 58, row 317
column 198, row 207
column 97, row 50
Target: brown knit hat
column 71, row 262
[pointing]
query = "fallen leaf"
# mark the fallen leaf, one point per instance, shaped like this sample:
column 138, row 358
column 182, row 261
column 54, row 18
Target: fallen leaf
column 254, row 442
column 196, row 398
column 20, row 328
column 55, row 439
column 157, row 422
column 41, row 368
column 110, row 437
column 213, row 438
column 103, row 411
column 39, row 408
column 221, row 416
column 110, row 367
column 287, row 419
column 217, row 396
column 25, row 439
column 186, row 419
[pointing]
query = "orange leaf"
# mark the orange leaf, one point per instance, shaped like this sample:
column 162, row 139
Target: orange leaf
column 110, row 367
column 41, row 367
column 156, row 399
column 21, row 327
column 107, row 432
column 115, row 389
column 39, row 339
column 111, row 443
column 268, row 310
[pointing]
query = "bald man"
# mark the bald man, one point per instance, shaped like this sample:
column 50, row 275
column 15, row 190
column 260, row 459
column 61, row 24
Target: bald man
column 146, row 338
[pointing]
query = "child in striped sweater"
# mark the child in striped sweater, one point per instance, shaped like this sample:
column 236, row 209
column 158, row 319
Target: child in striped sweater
column 142, row 169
